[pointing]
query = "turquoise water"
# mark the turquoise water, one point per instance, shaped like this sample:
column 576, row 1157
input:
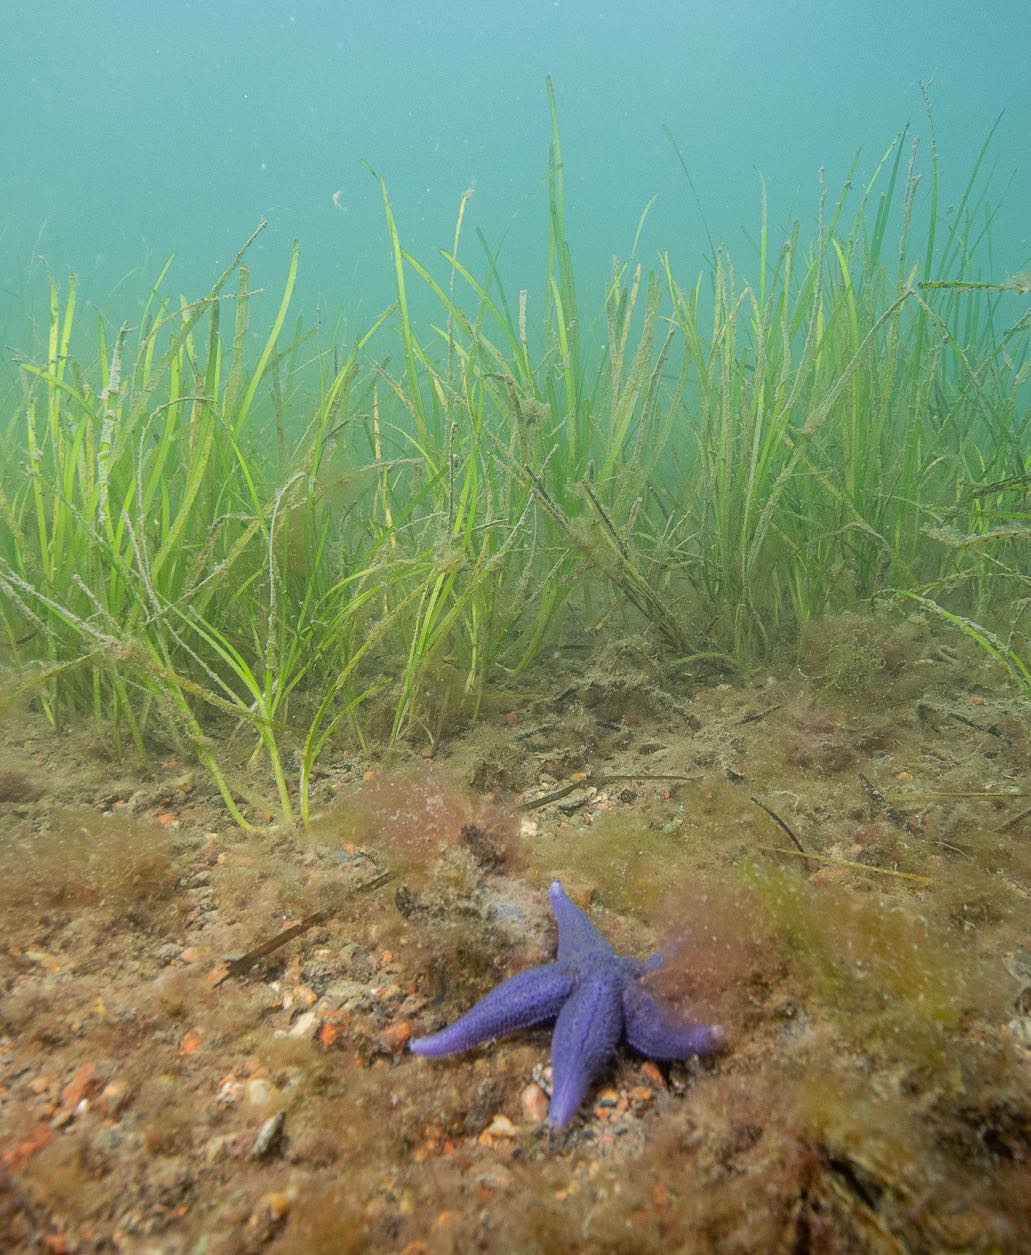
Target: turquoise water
column 131, row 131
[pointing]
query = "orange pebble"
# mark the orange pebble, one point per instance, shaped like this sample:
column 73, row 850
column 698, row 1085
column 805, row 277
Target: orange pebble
column 651, row 1072
column 396, row 1035
column 328, row 1034
column 39, row 1138
column 191, row 1043
column 84, row 1084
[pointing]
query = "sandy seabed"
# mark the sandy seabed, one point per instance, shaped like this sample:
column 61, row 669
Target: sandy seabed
column 838, row 867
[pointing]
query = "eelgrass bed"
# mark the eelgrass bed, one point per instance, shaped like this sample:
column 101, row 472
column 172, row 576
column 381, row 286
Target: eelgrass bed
column 254, row 558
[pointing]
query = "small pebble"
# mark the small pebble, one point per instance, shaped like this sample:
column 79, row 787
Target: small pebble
column 650, row 1071
column 300, row 998
column 260, row 1092
column 501, row 1126
column 83, row 1084
column 273, row 1206
column 534, row 1102
column 113, row 1098
column 270, row 1136
column 305, row 1025
column 395, row 1036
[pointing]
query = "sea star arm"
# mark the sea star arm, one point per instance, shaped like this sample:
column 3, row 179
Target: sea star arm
column 523, row 1000
column 577, row 936
column 587, row 1031
column 655, row 1031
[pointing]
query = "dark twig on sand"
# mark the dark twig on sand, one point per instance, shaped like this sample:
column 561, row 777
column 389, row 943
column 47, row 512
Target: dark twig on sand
column 237, row 967
column 969, row 723
column 756, row 715
column 780, row 824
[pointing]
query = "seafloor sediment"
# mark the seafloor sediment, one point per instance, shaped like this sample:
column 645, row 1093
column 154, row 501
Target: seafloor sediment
column 837, row 864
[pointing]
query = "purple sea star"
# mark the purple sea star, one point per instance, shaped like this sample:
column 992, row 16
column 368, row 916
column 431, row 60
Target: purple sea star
column 595, row 997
